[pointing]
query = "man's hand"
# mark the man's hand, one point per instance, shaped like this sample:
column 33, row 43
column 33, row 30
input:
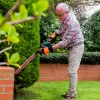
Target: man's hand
column 50, row 40
column 53, row 37
column 46, row 44
column 46, row 50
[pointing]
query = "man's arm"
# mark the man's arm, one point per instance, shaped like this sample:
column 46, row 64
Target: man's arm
column 56, row 46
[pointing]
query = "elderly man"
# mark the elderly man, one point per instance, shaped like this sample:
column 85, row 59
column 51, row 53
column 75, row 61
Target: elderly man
column 73, row 41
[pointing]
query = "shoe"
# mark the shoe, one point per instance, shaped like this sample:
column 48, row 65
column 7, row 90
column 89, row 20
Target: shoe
column 64, row 95
column 68, row 98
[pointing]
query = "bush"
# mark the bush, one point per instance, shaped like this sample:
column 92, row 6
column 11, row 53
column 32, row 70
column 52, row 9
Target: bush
column 88, row 58
column 5, row 5
column 49, row 23
column 29, row 43
column 92, row 33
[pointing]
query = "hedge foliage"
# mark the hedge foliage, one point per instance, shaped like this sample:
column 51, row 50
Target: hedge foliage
column 92, row 33
column 29, row 43
column 88, row 58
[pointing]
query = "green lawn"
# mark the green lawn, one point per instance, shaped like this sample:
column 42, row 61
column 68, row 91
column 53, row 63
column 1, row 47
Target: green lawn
column 87, row 90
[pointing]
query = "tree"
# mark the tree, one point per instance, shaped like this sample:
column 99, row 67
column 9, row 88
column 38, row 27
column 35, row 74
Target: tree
column 79, row 8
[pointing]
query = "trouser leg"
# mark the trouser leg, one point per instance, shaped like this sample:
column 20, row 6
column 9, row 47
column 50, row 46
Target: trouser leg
column 74, row 59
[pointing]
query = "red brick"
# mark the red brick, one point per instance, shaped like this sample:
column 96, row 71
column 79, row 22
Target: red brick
column 6, row 72
column 6, row 96
column 8, row 88
column 6, row 82
column 59, row 72
column 1, row 89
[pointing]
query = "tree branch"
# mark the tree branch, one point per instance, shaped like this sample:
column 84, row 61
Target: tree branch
column 5, row 40
column 3, row 63
column 21, row 21
column 15, row 6
column 5, row 49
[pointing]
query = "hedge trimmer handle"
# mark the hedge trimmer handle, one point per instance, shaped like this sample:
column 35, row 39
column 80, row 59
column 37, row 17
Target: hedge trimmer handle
column 50, row 40
column 46, row 44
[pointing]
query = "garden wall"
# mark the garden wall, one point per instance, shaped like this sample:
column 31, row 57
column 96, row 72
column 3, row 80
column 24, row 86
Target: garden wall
column 59, row 72
column 6, row 83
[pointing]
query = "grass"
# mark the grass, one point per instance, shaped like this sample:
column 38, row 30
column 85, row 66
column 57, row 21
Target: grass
column 87, row 90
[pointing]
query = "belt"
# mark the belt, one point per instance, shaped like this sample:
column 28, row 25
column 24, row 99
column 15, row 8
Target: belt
column 78, row 44
column 75, row 45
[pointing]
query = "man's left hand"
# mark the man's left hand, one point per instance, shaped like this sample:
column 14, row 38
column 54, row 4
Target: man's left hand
column 46, row 50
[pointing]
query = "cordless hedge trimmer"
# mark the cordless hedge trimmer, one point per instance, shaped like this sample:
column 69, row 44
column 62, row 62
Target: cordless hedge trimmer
column 47, row 43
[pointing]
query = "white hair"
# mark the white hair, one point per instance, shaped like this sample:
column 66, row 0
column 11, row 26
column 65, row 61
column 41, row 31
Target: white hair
column 64, row 6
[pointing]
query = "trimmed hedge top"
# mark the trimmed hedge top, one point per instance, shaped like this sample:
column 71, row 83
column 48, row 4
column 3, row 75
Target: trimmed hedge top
column 88, row 58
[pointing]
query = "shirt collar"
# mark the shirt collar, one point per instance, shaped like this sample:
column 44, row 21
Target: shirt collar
column 67, row 18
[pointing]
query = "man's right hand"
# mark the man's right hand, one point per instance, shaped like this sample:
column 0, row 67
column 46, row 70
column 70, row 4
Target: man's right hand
column 50, row 40
column 53, row 37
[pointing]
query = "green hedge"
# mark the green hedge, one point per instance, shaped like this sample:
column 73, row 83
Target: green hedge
column 5, row 5
column 29, row 42
column 88, row 58
column 91, row 31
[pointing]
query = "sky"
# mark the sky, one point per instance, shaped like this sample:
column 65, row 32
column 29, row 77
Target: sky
column 91, row 10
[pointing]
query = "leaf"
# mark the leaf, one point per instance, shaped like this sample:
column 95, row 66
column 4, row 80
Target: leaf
column 12, row 31
column 42, row 6
column 15, row 16
column 17, row 65
column 13, row 35
column 43, row 14
column 1, row 18
column 23, row 12
column 13, row 39
column 5, row 27
column 34, row 8
column 2, row 32
column 7, row 55
column 21, row 26
column 14, row 58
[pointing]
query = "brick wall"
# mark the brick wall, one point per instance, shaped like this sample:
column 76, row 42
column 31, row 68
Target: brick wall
column 6, row 83
column 59, row 72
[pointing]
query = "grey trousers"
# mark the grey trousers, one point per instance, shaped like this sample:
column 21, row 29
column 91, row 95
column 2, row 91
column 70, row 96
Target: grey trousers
column 74, row 59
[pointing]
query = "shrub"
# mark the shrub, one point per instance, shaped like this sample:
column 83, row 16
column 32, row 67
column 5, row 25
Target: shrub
column 88, row 58
column 29, row 43
column 92, row 33
column 5, row 5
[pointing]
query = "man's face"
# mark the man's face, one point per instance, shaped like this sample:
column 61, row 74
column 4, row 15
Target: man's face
column 61, row 14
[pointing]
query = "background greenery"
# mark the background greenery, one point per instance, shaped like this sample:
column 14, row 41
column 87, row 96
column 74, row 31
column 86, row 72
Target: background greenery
column 88, row 58
column 90, row 28
column 91, row 31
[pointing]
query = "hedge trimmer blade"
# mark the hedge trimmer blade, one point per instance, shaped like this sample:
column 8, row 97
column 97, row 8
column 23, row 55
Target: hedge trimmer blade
column 26, row 62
